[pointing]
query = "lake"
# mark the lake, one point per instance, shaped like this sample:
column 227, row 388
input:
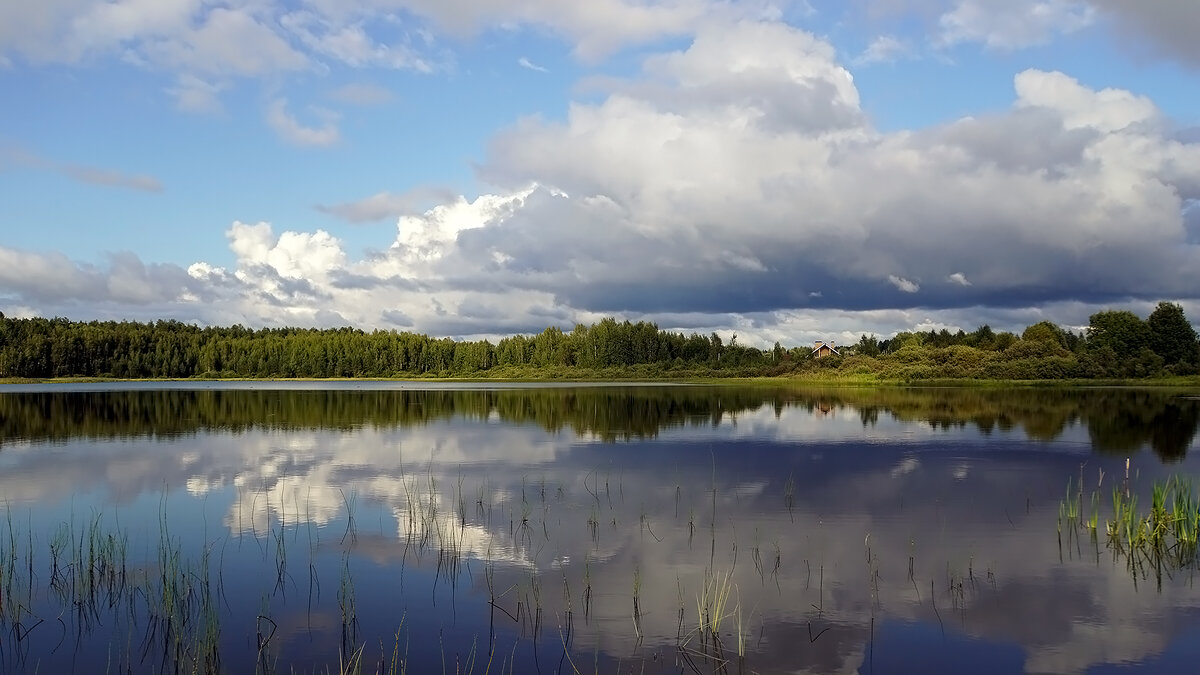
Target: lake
column 424, row 527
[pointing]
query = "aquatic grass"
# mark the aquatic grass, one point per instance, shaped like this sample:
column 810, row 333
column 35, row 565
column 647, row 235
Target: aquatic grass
column 637, row 609
column 1167, row 534
column 348, row 606
column 171, row 598
column 711, row 604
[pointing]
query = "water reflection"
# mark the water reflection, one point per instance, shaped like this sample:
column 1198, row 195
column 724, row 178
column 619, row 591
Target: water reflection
column 888, row 531
column 1119, row 421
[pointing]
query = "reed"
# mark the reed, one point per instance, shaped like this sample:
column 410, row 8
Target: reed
column 1165, row 534
column 172, row 596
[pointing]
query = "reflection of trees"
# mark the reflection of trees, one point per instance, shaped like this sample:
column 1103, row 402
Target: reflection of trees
column 1173, row 431
column 1119, row 420
column 612, row 413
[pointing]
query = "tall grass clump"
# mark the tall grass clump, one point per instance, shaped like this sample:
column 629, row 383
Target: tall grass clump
column 1166, row 534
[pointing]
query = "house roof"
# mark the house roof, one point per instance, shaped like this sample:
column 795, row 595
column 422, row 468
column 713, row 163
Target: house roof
column 821, row 345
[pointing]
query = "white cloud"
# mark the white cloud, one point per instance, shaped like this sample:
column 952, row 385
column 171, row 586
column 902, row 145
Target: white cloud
column 349, row 43
column 195, row 95
column 226, row 42
column 524, row 62
column 959, row 278
column 204, row 44
column 1107, row 110
column 903, row 284
column 884, row 49
column 291, row 255
column 49, row 278
column 1012, row 24
column 292, row 131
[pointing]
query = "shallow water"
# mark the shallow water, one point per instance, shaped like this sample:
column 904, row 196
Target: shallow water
column 413, row 527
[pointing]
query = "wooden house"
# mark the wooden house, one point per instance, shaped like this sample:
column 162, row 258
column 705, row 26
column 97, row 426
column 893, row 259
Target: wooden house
column 822, row 349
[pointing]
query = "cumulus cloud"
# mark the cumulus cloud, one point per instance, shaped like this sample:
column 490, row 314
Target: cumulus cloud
column 51, row 279
column 754, row 144
column 293, row 131
column 738, row 175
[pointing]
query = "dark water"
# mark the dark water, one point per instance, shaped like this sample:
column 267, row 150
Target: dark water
column 425, row 528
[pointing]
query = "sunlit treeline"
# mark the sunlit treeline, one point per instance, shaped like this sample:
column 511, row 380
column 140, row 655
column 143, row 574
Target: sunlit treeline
column 1116, row 344
column 38, row 348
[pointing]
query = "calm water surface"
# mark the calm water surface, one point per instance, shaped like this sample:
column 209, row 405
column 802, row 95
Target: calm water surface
column 401, row 527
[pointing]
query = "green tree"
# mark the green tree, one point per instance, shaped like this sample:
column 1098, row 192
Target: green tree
column 983, row 338
column 868, row 346
column 1171, row 335
column 1045, row 331
column 1121, row 331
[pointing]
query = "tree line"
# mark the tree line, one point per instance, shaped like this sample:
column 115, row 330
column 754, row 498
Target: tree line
column 46, row 348
column 1116, row 344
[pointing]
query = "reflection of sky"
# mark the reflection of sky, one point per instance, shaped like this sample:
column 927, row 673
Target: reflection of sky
column 815, row 516
column 844, row 424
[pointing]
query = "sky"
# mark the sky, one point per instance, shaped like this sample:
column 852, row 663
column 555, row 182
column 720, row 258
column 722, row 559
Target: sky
column 784, row 171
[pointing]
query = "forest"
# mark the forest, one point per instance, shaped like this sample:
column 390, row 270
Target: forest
column 1116, row 345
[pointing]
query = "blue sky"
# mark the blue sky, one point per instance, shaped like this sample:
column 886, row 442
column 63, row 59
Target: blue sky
column 784, row 170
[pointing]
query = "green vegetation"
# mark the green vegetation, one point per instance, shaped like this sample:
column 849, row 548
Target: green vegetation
column 1152, row 543
column 1117, row 344
column 49, row 348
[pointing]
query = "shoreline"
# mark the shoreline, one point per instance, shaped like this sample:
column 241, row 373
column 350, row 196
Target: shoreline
column 649, row 379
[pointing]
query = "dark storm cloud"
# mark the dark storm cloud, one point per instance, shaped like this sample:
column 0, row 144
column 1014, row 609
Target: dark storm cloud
column 1191, row 222
column 462, row 326
column 395, row 316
